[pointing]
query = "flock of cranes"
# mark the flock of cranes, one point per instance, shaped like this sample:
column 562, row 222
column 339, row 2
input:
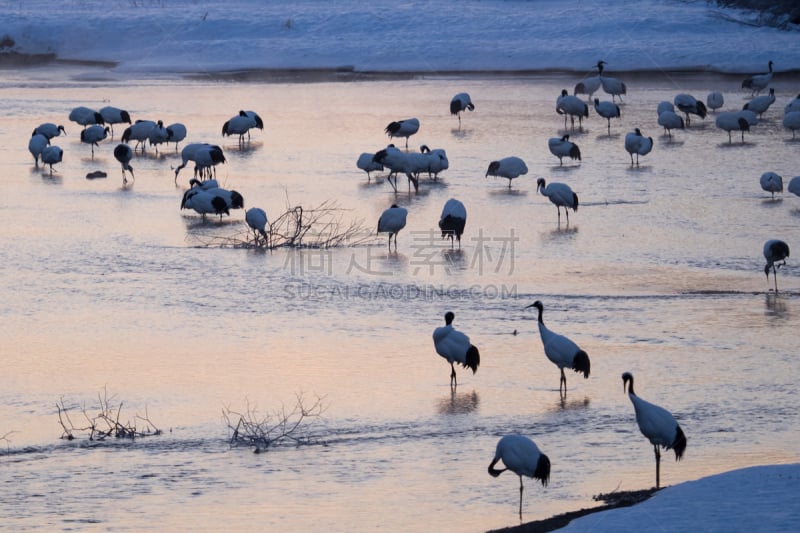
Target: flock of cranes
column 518, row 453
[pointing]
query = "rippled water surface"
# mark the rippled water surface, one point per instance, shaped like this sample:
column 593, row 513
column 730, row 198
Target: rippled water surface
column 112, row 289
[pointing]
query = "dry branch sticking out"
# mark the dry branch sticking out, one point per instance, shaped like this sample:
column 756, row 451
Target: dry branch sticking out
column 106, row 423
column 281, row 427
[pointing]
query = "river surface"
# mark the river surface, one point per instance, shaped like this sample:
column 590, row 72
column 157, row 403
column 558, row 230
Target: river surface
column 112, row 292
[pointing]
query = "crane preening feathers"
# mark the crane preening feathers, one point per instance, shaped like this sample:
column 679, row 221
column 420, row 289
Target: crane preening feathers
column 521, row 455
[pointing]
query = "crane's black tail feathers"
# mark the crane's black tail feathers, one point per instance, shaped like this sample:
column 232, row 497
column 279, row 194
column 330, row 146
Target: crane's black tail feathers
column 580, row 363
column 542, row 471
column 679, row 444
column 473, row 359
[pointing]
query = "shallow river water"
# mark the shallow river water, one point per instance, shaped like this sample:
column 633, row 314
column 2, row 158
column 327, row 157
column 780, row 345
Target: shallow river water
column 113, row 291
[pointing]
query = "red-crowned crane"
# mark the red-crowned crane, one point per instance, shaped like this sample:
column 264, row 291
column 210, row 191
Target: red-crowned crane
column 51, row 155
column 520, row 455
column 590, row 85
column 367, row 163
column 85, row 116
column 715, row 100
column 36, row 144
column 760, row 104
column 690, row 105
column 392, row 221
column 140, row 132
column 636, row 143
column 49, row 130
column 571, row 106
column 94, row 134
column 114, row 115
column 791, row 121
column 771, row 182
column 396, row 161
column 758, row 82
column 612, row 86
column 561, row 351
column 176, row 132
column 775, row 252
column 657, row 425
column 455, row 347
column 733, row 121
column 607, row 110
column 123, row 153
column 461, row 102
column 403, row 128
column 241, row 124
column 508, row 167
column 256, row 219
column 453, row 220
column 670, row 120
column 205, row 156
column 562, row 147
column 560, row 194
column 794, row 185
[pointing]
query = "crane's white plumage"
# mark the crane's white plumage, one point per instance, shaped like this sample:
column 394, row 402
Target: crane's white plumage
column 775, row 252
column 49, row 130
column 760, row 104
column 793, row 105
column 733, row 121
column 85, row 116
column 158, row 135
column 613, row 86
column 123, row 153
column 656, row 424
column 392, row 221
column 241, row 124
column 176, row 133
column 794, row 185
column 791, row 121
column 455, row 347
column 114, row 115
column 453, row 220
column 561, row 351
column 140, row 132
column 636, row 143
column 670, row 120
column 367, row 163
column 758, row 82
column 93, row 135
column 715, row 100
column 562, row 147
column 204, row 155
column 508, row 167
column 560, row 194
column 607, row 110
column 256, row 219
column 402, row 128
column 771, row 182
column 51, row 155
column 520, row 455
column 436, row 160
column 664, row 106
column 689, row 105
column 461, row 102
column 204, row 202
column 571, row 106
column 396, row 161
column 36, row 144
column 591, row 84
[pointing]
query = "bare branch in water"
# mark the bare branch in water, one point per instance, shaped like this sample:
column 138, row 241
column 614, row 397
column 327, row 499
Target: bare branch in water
column 263, row 431
column 107, row 423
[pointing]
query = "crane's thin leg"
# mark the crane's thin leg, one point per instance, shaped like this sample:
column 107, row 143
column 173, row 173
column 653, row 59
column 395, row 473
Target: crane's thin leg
column 658, row 465
column 453, row 380
column 520, row 498
column 562, row 383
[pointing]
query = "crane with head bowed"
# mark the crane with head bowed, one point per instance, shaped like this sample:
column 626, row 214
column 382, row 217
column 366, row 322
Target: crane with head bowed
column 520, row 455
